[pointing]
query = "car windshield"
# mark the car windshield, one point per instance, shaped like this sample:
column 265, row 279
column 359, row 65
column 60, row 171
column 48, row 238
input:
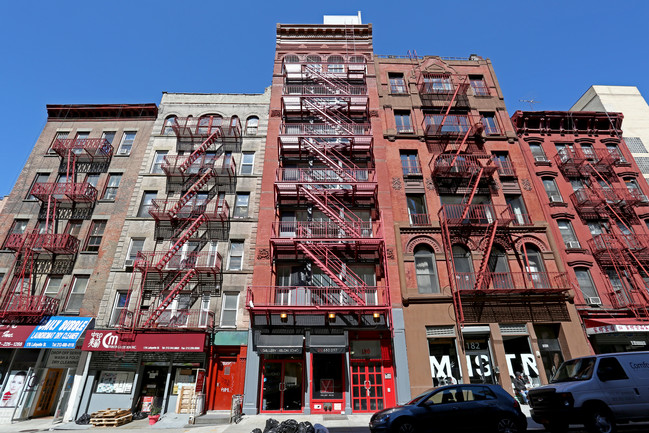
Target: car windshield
column 419, row 397
column 575, row 369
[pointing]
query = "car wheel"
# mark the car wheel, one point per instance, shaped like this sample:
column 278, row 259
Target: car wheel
column 506, row 425
column 405, row 426
column 556, row 427
column 600, row 420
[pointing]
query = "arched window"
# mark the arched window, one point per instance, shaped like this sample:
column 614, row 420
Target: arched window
column 535, row 267
column 291, row 58
column 463, row 263
column 252, row 123
column 500, row 277
column 208, row 123
column 335, row 65
column 357, row 59
column 170, row 121
column 426, row 268
column 314, row 62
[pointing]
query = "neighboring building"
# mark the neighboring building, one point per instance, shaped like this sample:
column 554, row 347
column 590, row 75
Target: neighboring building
column 596, row 201
column 323, row 336
column 61, row 227
column 173, row 309
column 3, row 201
column 628, row 101
column 483, row 289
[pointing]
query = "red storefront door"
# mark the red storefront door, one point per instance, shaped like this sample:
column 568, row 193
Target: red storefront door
column 282, row 387
column 367, row 386
column 226, row 372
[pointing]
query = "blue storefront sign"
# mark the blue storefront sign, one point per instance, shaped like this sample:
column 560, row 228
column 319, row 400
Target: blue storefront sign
column 58, row 332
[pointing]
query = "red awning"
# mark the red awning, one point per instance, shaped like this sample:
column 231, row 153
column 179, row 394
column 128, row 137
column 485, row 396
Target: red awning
column 104, row 341
column 609, row 326
column 14, row 336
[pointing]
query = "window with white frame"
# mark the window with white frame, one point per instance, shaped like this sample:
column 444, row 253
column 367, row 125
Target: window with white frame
column 568, row 234
column 60, row 135
column 147, row 201
column 109, row 136
column 235, row 256
column 79, row 286
column 552, row 190
column 126, row 145
column 53, row 286
column 95, row 234
column 118, row 307
column 241, row 204
column 110, row 192
column 247, row 163
column 136, row 245
column 158, row 159
column 229, row 310
column 252, row 125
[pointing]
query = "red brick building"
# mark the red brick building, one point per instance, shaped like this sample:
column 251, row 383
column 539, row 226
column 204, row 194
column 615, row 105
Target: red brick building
column 595, row 201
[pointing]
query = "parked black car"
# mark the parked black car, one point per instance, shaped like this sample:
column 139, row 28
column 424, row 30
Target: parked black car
column 454, row 408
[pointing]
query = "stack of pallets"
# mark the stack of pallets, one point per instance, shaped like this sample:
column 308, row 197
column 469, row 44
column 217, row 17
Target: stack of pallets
column 111, row 417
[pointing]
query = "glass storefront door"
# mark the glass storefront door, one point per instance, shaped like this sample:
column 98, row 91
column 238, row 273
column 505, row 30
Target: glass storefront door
column 367, row 386
column 282, row 389
column 478, row 359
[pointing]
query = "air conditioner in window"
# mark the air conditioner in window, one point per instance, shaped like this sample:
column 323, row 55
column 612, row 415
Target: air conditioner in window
column 573, row 245
column 556, row 199
column 593, row 300
column 540, row 159
column 129, row 263
column 122, row 151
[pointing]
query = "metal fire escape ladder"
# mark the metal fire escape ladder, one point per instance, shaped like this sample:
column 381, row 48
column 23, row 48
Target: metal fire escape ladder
column 335, row 269
column 192, row 191
column 490, row 235
column 179, row 287
column 200, row 151
column 335, row 210
column 344, row 170
column 200, row 220
column 336, row 120
column 450, row 267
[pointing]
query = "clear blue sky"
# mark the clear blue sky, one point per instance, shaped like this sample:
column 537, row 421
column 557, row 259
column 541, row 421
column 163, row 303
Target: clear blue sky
column 66, row 52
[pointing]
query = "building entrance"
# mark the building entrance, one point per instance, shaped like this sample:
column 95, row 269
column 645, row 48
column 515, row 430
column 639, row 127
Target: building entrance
column 282, row 386
column 367, row 386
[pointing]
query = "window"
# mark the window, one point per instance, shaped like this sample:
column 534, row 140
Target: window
column 615, row 152
column 504, row 164
column 490, row 124
column 335, row 65
column 209, row 124
column 426, row 270
column 463, row 267
column 95, row 234
column 80, row 138
column 147, row 199
column 170, row 122
column 610, row 369
column 634, row 188
column 241, row 205
column 587, row 286
column 252, row 124
column 417, row 211
column 79, row 286
column 437, row 84
column 402, row 120
column 410, row 163
column 92, row 179
column 397, row 83
column 109, row 136
column 587, row 151
column 478, row 85
column 60, row 135
column 517, row 205
column 577, row 184
column 229, row 310
column 551, row 190
column 53, row 286
column 568, row 234
column 19, row 227
column 538, row 153
column 247, row 163
column 158, row 159
column 74, row 228
column 111, row 186
column 39, row 178
column 127, row 143
column 118, row 307
column 235, row 256
column 135, row 247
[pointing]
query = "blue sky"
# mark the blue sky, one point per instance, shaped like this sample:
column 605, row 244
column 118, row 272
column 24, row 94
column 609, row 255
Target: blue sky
column 65, row 52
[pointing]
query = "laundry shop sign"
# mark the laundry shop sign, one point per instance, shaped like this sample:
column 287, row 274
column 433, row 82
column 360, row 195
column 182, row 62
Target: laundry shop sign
column 58, row 333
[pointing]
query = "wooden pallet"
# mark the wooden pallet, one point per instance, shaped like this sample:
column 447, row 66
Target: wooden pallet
column 111, row 418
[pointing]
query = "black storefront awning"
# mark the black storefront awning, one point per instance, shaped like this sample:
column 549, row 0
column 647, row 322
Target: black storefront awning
column 327, row 343
column 280, row 344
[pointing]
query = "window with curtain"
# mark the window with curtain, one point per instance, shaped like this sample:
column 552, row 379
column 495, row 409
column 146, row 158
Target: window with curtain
column 426, row 269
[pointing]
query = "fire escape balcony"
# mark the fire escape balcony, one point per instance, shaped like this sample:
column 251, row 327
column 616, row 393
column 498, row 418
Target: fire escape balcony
column 476, row 215
column 178, row 172
column 366, row 233
column 353, row 138
column 438, row 89
column 338, row 71
column 609, row 248
column 83, row 148
column 82, row 192
column 505, row 168
column 53, row 243
column 455, row 125
column 27, row 308
column 206, row 262
column 354, row 183
column 570, row 161
column 304, row 103
column 197, row 129
column 172, row 319
column 463, row 166
column 593, row 200
column 513, row 282
column 310, row 299
column 166, row 210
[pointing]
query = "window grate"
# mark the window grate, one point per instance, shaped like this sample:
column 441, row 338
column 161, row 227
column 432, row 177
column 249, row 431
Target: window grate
column 440, row 331
column 643, row 164
column 635, row 145
column 513, row 329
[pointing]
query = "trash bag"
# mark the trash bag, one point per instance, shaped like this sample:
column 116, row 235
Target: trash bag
column 140, row 415
column 273, row 430
column 83, row 419
column 270, row 424
column 305, row 427
column 288, row 426
column 319, row 428
column 257, row 430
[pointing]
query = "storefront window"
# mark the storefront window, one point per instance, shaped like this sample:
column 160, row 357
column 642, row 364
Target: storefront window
column 183, row 377
column 549, row 347
column 115, row 382
column 444, row 363
column 478, row 359
column 520, row 359
column 328, row 376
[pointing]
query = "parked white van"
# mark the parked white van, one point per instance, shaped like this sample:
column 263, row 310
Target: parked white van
column 597, row 391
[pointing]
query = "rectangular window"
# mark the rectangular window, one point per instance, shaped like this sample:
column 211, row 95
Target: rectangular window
column 111, row 186
column 118, row 307
column 19, row 227
column 247, row 162
column 135, row 247
column 147, row 198
column 478, row 85
column 79, row 286
column 490, row 124
column 586, row 286
column 410, row 163
column 568, row 234
column 229, row 310
column 241, row 205
column 235, row 256
column 552, row 191
column 53, row 286
column 95, row 234
column 158, row 159
column 92, row 179
column 74, row 228
column 39, row 178
column 109, row 136
column 397, row 83
column 437, row 84
column 504, row 164
column 127, row 143
column 615, row 152
column 402, row 121
column 538, row 153
column 417, row 211
column 60, row 135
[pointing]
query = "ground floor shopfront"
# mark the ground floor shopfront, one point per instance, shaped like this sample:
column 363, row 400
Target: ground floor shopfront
column 617, row 335
column 320, row 370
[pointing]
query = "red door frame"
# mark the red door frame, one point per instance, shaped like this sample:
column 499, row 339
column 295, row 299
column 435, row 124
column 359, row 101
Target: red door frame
column 384, row 361
column 215, row 353
column 281, row 400
column 332, row 400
